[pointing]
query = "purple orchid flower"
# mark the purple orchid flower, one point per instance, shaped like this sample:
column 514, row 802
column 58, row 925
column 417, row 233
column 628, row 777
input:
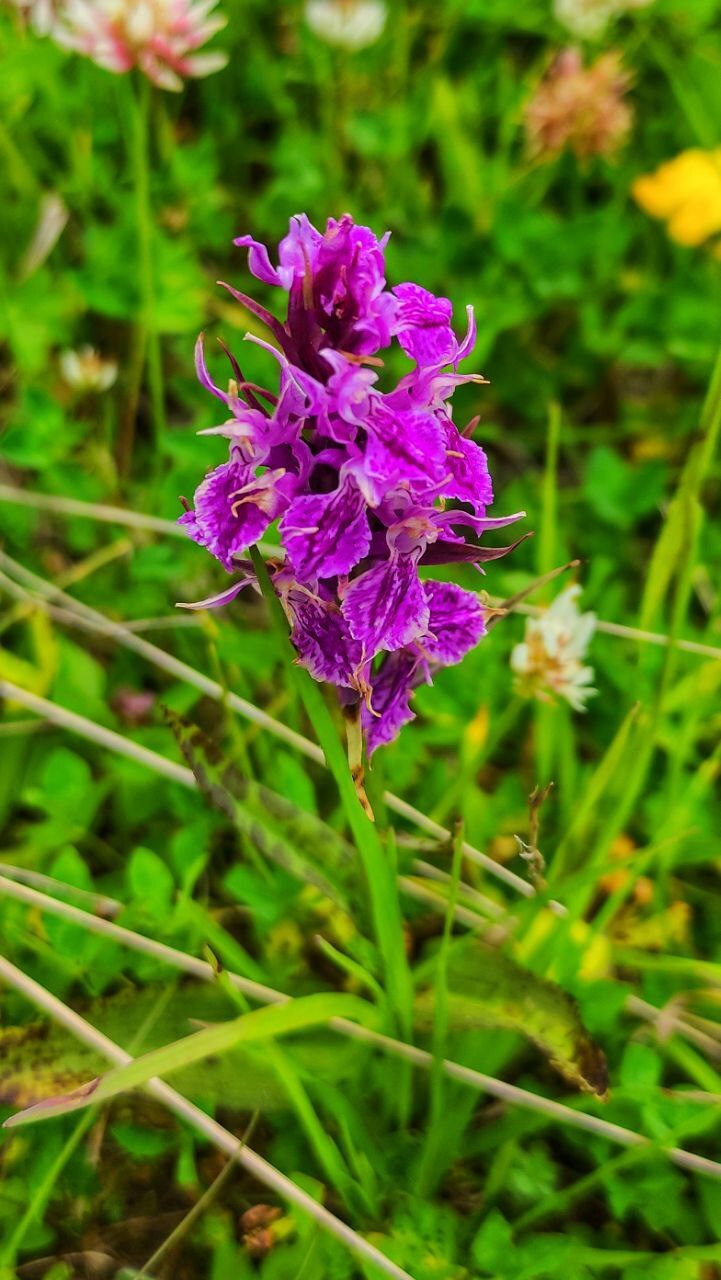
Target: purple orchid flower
column 367, row 485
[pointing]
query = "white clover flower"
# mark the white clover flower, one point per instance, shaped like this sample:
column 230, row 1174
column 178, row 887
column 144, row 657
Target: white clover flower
column 41, row 14
column 159, row 37
column 549, row 661
column 353, row 24
column 587, row 19
column 85, row 370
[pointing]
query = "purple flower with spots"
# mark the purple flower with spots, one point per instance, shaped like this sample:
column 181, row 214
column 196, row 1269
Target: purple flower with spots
column 366, row 484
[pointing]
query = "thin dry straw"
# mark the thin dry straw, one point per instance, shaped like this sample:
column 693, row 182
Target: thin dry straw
column 97, row 622
column 419, row 1057
column 89, row 510
column 666, row 1022
column 265, row 1173
column 155, row 524
column 98, row 903
column 635, row 633
column 66, row 719
column 101, row 511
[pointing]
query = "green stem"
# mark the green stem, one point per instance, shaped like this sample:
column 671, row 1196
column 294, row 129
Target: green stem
column 549, row 509
column 146, row 346
column 431, row 1163
column 198, row 1209
column 545, row 716
column 18, row 171
column 692, row 482
column 385, row 908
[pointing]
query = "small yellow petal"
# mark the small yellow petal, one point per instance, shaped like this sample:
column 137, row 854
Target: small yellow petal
column 695, row 221
column 686, row 192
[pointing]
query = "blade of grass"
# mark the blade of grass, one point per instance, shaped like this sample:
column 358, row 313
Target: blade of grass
column 136, row 112
column 604, row 775
column 99, row 903
column 260, row 1024
column 323, row 1145
column 431, row 1164
column 547, row 537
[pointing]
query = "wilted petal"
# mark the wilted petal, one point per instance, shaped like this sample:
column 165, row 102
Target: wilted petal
column 326, row 534
column 444, row 552
column 455, row 625
column 385, row 607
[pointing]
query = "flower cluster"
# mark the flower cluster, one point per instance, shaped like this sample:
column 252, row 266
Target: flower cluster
column 41, row 14
column 159, row 37
column 350, row 24
column 588, row 18
column 579, row 107
column 550, row 660
column 86, row 370
column 360, row 479
column 686, row 193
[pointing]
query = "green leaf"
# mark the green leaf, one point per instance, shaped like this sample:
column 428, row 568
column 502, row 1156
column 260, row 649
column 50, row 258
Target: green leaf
column 493, row 1243
column 150, row 880
column 259, row 1025
column 673, row 547
column 40, row 1060
column 489, row 989
column 620, row 492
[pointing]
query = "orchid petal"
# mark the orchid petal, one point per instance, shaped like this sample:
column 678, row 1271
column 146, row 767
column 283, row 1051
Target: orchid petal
column 385, row 607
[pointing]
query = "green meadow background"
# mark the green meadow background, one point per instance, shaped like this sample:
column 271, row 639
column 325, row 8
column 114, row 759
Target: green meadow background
column 599, row 336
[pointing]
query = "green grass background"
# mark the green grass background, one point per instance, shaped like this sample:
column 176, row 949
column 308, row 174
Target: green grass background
column 590, row 319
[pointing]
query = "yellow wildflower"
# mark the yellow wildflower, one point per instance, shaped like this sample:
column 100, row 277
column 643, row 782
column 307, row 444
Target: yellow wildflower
column 686, row 193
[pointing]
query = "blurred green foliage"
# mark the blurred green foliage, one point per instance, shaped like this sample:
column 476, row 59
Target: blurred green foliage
column 582, row 302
